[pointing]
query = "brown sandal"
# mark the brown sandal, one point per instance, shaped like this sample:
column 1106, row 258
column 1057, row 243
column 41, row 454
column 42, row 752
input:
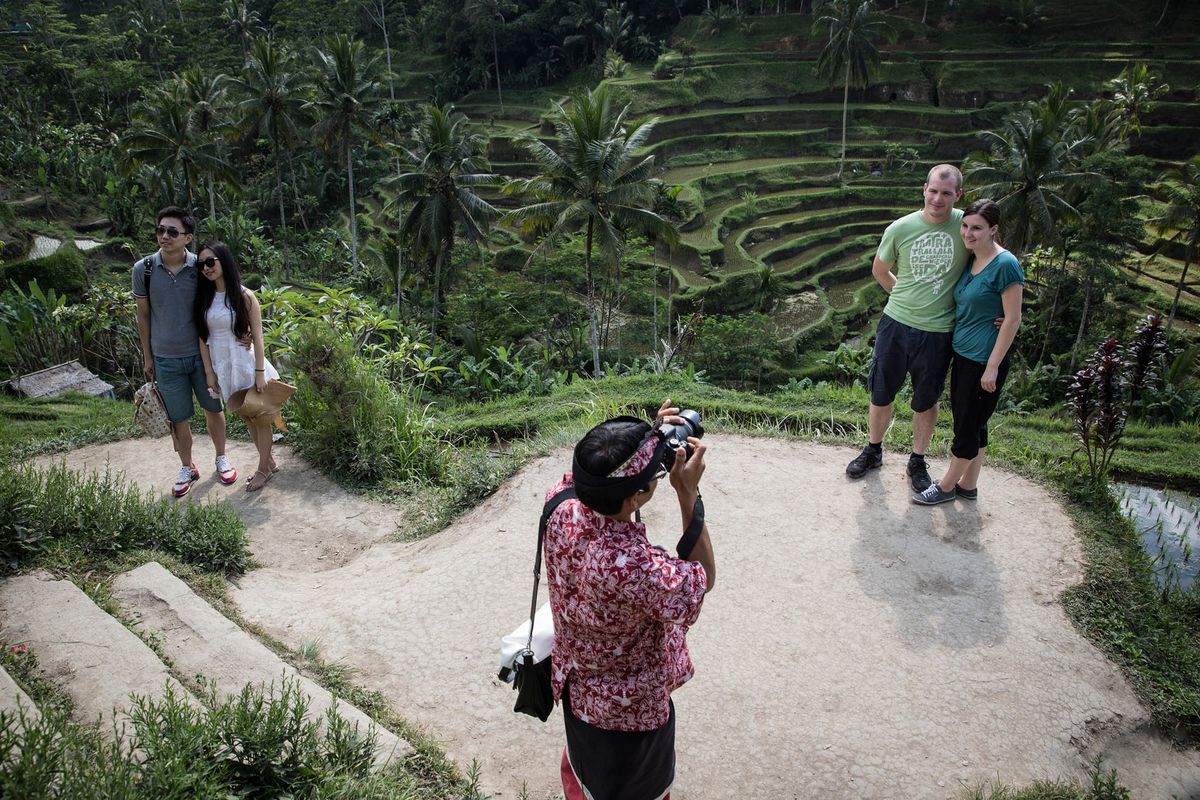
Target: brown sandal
column 274, row 469
column 250, row 485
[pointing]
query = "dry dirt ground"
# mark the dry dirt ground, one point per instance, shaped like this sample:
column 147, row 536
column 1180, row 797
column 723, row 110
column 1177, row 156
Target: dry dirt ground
column 856, row 645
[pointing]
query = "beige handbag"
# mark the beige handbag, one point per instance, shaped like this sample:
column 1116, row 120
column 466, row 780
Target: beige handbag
column 149, row 411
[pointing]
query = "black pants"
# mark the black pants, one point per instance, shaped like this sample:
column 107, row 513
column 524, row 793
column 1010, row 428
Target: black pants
column 972, row 406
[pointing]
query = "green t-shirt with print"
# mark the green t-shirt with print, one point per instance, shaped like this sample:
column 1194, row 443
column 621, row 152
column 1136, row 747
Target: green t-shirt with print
column 928, row 260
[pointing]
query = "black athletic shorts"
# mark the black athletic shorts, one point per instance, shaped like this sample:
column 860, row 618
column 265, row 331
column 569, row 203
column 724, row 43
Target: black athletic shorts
column 901, row 350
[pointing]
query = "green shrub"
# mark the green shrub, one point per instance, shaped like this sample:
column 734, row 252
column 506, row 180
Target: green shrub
column 350, row 420
column 255, row 744
column 97, row 515
column 736, row 349
column 61, row 271
column 510, row 259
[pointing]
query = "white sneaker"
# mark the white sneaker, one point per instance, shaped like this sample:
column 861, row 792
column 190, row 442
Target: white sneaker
column 225, row 471
column 183, row 483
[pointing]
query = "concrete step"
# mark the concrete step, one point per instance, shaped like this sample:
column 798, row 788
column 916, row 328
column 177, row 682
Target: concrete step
column 92, row 657
column 13, row 697
column 201, row 641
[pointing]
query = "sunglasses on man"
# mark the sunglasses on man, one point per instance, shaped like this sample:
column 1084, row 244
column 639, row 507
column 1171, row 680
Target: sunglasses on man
column 170, row 230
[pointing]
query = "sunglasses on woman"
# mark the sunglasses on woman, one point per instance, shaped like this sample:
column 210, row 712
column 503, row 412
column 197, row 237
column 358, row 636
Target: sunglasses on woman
column 170, row 230
column 205, row 263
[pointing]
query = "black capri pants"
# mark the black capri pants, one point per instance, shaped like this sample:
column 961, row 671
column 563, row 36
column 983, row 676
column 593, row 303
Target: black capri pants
column 972, row 406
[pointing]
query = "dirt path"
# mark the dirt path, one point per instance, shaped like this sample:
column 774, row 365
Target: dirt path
column 856, row 645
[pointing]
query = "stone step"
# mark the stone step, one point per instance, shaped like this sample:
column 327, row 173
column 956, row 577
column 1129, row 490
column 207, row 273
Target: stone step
column 201, row 641
column 92, row 657
column 13, row 697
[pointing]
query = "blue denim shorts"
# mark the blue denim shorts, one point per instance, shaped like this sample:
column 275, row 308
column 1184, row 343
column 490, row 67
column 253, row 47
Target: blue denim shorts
column 901, row 350
column 179, row 379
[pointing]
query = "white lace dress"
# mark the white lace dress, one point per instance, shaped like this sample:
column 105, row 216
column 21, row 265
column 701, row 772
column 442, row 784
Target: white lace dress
column 233, row 364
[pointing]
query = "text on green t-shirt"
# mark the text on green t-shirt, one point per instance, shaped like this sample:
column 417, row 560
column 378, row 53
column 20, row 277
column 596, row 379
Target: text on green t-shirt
column 928, row 260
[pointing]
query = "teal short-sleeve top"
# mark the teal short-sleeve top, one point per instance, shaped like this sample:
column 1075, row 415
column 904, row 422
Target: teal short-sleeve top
column 977, row 303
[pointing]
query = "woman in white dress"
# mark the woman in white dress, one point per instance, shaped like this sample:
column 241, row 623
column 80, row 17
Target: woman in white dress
column 226, row 313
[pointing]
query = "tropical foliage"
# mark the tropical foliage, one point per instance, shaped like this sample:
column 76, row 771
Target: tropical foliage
column 594, row 181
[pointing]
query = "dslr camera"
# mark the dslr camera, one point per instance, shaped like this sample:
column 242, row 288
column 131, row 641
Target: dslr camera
column 676, row 435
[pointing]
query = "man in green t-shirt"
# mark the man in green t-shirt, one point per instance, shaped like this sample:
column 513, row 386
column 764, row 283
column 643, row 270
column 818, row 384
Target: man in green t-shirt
column 926, row 250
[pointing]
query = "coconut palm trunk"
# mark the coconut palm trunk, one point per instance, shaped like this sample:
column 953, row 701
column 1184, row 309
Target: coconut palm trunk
column 1163, row 15
column 287, row 271
column 438, row 261
column 594, row 331
column 353, row 215
column 496, row 65
column 1087, row 302
column 1187, row 262
column 399, row 252
column 1049, row 325
column 845, row 114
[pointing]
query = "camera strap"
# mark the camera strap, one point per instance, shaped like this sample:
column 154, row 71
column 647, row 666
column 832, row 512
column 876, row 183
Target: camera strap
column 692, row 534
column 548, row 509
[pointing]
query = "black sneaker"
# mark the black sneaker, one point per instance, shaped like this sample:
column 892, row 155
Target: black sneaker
column 918, row 474
column 932, row 496
column 869, row 458
column 966, row 494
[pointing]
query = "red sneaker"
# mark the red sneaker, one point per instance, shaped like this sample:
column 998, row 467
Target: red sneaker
column 225, row 471
column 187, row 476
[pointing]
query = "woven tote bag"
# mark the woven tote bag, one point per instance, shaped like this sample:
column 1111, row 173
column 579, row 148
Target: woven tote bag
column 149, row 411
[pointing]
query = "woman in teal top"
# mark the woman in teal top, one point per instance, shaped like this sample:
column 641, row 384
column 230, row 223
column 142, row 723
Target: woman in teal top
column 990, row 287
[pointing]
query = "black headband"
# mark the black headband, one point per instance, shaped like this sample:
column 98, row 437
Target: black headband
column 621, row 487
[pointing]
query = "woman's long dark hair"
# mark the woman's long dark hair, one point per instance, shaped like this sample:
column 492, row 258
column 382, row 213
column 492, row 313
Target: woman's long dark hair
column 235, row 298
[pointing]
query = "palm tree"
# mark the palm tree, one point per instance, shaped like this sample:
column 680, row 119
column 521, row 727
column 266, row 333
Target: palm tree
column 164, row 138
column 242, row 21
column 490, row 13
column 273, row 107
column 445, row 167
column 1028, row 169
column 594, row 181
column 349, row 92
column 1135, row 91
column 850, row 52
column 1180, row 220
column 586, row 19
column 205, row 96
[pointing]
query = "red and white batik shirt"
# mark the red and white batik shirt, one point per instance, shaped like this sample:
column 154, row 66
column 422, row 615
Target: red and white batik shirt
column 621, row 611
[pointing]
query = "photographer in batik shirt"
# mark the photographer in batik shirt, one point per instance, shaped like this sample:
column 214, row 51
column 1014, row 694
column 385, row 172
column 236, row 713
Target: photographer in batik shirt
column 622, row 607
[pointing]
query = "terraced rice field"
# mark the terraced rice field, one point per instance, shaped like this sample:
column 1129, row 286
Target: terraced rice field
column 753, row 137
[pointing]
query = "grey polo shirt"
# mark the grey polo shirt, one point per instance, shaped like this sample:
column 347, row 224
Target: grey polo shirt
column 172, row 331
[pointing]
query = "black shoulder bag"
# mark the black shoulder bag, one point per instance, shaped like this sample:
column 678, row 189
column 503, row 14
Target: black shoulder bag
column 535, row 696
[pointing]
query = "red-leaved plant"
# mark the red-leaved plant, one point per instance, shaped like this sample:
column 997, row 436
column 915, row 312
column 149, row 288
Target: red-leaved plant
column 1102, row 393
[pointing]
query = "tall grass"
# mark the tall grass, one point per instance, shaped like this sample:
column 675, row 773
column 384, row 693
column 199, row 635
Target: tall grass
column 354, row 423
column 98, row 516
column 256, row 744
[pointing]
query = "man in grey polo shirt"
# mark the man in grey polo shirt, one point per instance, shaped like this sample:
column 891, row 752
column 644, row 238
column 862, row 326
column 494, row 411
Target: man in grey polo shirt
column 164, row 286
